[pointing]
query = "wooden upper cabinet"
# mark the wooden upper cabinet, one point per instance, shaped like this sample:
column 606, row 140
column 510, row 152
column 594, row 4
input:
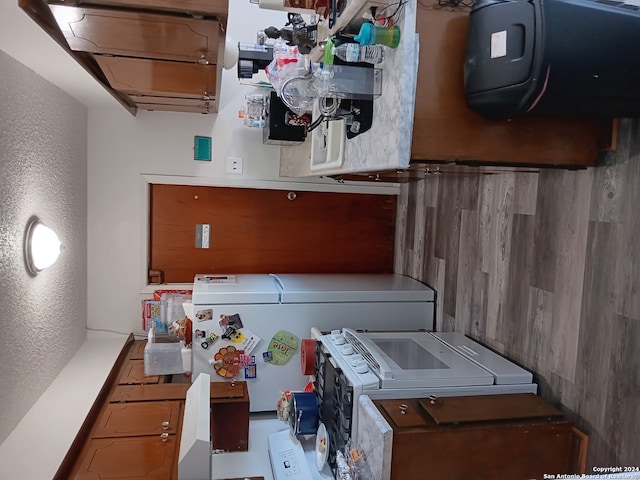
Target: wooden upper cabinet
column 135, row 34
column 213, row 8
column 139, row 76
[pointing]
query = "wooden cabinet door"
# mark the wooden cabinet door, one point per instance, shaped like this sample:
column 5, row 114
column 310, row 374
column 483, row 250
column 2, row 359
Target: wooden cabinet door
column 133, row 373
column 130, row 458
column 134, row 34
column 138, row 418
column 173, row 104
column 139, row 76
column 216, row 8
column 262, row 231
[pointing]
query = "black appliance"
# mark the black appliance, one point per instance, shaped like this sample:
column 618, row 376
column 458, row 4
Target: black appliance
column 252, row 58
column 553, row 58
column 278, row 129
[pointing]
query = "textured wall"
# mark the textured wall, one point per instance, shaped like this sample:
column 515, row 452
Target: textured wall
column 43, row 172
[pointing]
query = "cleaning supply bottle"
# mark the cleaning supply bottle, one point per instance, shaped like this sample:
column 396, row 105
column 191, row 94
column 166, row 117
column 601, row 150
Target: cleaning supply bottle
column 372, row 35
column 354, row 52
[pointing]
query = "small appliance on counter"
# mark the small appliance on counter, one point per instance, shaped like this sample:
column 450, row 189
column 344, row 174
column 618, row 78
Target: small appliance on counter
column 253, row 58
column 282, row 126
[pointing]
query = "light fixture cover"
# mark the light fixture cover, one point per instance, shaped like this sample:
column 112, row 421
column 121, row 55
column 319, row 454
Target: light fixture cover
column 42, row 246
column 231, row 53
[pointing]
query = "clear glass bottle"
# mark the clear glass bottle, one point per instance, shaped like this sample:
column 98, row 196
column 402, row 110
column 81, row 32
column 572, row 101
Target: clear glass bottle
column 354, row 53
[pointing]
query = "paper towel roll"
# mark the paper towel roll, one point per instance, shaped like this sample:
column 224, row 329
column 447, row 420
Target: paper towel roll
column 279, row 5
column 271, row 4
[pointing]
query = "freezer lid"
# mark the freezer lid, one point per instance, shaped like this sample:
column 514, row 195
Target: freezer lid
column 352, row 288
column 504, row 371
column 222, row 289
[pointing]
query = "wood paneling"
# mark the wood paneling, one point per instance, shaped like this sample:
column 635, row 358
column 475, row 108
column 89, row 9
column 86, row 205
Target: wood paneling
column 544, row 268
column 262, row 231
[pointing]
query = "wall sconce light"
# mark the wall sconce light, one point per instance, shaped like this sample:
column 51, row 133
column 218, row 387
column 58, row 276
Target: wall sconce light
column 41, row 246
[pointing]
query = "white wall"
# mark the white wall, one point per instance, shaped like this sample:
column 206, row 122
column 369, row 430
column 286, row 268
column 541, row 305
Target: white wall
column 125, row 152
column 43, row 172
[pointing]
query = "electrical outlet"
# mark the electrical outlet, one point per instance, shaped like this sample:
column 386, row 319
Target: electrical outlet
column 234, row 165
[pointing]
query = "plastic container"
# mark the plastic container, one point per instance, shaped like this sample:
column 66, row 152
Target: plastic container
column 372, row 35
column 348, row 81
column 354, row 53
column 162, row 355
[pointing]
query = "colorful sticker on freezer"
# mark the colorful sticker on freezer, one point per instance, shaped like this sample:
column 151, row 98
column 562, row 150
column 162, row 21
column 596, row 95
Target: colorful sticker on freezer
column 245, row 340
column 249, row 362
column 227, row 362
column 205, row 314
column 282, row 347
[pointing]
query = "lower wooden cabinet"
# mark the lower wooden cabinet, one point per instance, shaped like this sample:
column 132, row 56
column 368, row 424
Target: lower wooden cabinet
column 139, row 418
column 131, row 458
column 507, row 437
column 418, row 170
column 133, row 429
column 230, row 416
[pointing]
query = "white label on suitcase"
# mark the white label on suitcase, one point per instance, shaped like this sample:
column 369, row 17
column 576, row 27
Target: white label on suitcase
column 499, row 44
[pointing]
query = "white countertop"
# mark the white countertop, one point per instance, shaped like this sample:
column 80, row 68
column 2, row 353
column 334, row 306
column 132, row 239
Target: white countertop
column 387, row 144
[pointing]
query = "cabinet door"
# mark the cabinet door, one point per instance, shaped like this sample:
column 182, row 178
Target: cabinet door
column 131, row 458
column 216, row 8
column 138, row 76
column 133, row 373
column 173, row 104
column 136, row 34
column 139, row 418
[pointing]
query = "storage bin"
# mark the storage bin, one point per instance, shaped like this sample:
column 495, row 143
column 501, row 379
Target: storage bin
column 553, row 58
column 163, row 358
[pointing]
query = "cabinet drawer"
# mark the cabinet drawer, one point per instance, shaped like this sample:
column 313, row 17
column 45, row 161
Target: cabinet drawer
column 174, row 104
column 216, row 8
column 484, row 408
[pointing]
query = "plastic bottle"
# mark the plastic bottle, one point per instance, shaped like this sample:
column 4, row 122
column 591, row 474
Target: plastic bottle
column 354, row 52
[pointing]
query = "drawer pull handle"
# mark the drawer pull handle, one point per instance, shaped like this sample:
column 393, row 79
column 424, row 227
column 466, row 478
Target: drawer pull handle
column 165, row 425
column 403, row 408
column 164, row 437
